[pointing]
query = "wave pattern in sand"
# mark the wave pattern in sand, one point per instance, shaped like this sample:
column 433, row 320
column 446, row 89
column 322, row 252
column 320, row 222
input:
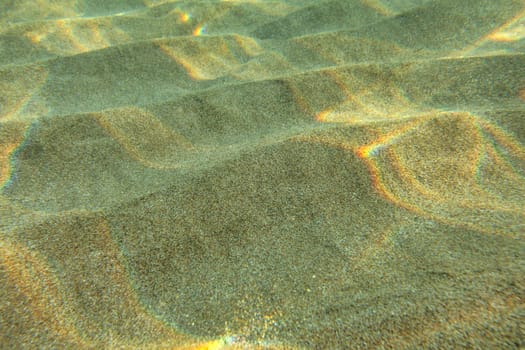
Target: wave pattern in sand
column 262, row 174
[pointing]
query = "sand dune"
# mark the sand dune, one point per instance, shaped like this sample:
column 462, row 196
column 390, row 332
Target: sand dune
column 246, row 174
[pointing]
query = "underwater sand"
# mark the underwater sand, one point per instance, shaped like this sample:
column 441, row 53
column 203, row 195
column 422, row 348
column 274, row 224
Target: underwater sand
column 289, row 174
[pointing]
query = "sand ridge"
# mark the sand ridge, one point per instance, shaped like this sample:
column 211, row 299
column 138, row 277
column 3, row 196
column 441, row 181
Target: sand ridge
column 285, row 174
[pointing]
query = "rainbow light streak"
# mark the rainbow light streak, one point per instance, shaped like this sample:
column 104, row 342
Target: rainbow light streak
column 436, row 196
column 367, row 151
column 199, row 30
column 488, row 139
column 9, row 154
column 6, row 164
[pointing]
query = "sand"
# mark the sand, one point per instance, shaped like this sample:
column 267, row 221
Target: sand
column 289, row 174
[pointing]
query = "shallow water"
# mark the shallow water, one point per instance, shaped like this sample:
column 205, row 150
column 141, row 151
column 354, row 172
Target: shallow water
column 262, row 174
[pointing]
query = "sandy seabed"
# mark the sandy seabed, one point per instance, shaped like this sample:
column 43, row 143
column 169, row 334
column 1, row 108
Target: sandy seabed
column 289, row 174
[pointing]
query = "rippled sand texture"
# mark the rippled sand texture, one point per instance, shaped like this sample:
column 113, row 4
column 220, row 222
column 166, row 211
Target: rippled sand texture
column 290, row 174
